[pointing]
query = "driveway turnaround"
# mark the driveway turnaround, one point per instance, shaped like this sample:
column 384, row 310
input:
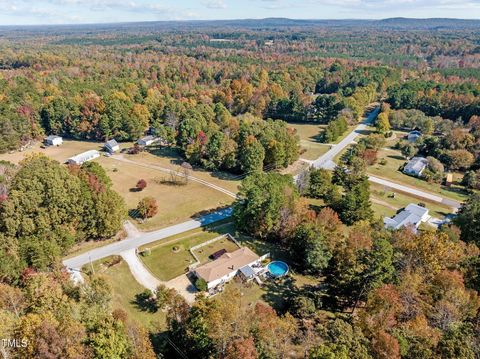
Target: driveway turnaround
column 141, row 238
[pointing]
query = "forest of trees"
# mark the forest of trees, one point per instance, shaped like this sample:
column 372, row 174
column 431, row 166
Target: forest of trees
column 226, row 105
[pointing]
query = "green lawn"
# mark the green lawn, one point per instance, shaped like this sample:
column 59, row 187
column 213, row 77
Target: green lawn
column 313, row 150
column 206, row 251
column 171, row 257
column 390, row 171
column 124, row 288
column 401, row 200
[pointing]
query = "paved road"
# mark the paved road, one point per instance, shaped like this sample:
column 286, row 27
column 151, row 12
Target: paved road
column 324, row 160
column 415, row 192
column 134, row 241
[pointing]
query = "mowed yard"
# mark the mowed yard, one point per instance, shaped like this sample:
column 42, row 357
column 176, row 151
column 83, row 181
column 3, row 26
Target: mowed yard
column 124, row 289
column 60, row 153
column 176, row 203
column 384, row 204
column 310, row 140
column 390, row 171
column 170, row 257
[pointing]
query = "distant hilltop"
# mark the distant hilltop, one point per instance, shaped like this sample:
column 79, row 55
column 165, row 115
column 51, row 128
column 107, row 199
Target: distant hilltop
column 398, row 23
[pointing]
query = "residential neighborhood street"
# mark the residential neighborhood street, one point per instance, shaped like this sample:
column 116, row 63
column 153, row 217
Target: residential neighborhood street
column 326, row 161
column 138, row 239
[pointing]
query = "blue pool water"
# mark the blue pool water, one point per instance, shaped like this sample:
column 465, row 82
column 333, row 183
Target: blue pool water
column 277, row 268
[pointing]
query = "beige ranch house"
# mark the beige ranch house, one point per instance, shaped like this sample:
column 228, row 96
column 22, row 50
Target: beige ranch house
column 226, row 267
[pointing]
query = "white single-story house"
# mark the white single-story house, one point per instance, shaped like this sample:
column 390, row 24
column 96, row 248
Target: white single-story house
column 83, row 157
column 146, row 141
column 415, row 166
column 413, row 214
column 413, row 136
column 53, row 140
column 227, row 266
column 111, row 146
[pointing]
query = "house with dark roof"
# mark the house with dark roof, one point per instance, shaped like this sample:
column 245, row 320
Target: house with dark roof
column 111, row 146
column 413, row 136
column 415, row 166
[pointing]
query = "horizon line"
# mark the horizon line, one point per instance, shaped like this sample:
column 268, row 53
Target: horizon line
column 236, row 19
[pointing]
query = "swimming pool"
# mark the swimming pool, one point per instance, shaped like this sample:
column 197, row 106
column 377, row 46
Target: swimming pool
column 277, row 268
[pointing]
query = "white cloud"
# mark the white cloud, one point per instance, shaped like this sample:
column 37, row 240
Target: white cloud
column 215, row 4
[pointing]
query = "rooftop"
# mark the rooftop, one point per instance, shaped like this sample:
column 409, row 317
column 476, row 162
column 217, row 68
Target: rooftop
column 52, row 137
column 82, row 157
column 412, row 214
column 227, row 263
column 111, row 143
column 416, row 165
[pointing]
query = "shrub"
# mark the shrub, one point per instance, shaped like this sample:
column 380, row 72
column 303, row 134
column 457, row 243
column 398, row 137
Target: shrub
column 201, row 284
column 141, row 185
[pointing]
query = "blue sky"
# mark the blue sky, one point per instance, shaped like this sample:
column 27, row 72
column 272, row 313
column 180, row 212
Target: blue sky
column 14, row 12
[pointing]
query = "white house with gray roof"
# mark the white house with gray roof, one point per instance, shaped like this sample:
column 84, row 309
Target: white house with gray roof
column 53, row 140
column 83, row 157
column 413, row 214
column 415, row 166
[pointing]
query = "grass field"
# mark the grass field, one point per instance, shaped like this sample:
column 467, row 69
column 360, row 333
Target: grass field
column 175, row 203
column 309, row 134
column 391, row 172
column 203, row 253
column 171, row 158
column 401, row 200
column 124, row 288
column 170, row 257
column 60, row 153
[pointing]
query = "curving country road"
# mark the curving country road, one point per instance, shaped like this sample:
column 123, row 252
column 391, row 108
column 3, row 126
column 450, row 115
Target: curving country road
column 137, row 239
column 326, row 161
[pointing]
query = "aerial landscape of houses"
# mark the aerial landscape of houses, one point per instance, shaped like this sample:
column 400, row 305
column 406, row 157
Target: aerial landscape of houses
column 212, row 179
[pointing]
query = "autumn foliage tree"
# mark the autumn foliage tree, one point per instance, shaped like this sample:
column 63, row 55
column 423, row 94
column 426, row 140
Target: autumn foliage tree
column 147, row 207
column 141, row 185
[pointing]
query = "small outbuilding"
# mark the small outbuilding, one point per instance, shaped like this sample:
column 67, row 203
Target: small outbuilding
column 111, row 146
column 413, row 136
column 53, row 140
column 83, row 157
column 146, row 141
column 415, row 166
column 449, row 179
column 413, row 214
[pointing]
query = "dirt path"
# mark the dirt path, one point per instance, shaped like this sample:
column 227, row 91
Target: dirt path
column 120, row 158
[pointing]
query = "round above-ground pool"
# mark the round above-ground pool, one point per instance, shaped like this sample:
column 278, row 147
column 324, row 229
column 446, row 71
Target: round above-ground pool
column 277, row 268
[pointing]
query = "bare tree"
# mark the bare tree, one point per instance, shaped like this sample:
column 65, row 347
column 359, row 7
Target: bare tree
column 186, row 171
